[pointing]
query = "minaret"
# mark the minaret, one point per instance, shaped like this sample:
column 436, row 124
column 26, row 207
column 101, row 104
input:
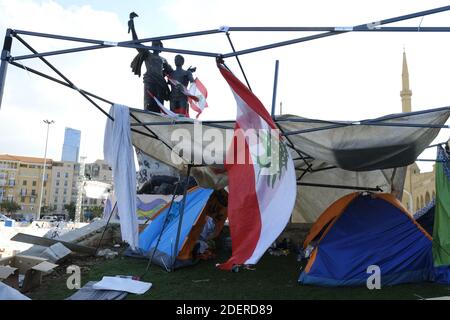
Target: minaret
column 406, row 93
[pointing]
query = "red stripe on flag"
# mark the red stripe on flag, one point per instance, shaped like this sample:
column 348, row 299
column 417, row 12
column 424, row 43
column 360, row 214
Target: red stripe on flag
column 243, row 211
column 250, row 99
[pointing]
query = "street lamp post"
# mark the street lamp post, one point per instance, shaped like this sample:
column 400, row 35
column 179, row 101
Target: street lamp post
column 48, row 122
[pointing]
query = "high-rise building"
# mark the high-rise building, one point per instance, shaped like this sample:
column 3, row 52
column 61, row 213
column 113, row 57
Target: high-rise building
column 71, row 146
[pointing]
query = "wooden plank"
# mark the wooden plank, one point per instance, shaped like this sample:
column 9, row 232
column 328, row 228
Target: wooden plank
column 45, row 242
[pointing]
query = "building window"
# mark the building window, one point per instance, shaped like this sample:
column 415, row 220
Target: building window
column 32, row 166
column 24, row 182
column 65, row 191
column 56, row 191
column 22, row 199
column 12, row 182
column 33, row 192
column 56, row 200
column 58, row 174
column 32, row 200
column 427, row 198
column 64, row 200
column 34, row 184
column 23, row 165
column 57, row 183
column 65, row 183
column 66, row 175
column 45, row 183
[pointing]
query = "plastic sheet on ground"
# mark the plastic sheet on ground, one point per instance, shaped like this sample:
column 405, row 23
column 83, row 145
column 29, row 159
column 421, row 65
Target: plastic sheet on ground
column 123, row 284
column 89, row 293
column 8, row 293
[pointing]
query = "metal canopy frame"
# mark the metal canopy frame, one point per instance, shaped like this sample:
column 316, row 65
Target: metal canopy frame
column 377, row 26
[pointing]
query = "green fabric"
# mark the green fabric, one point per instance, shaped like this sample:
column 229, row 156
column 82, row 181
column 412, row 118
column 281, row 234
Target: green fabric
column 441, row 230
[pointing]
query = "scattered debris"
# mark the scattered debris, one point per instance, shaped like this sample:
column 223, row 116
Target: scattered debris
column 440, row 298
column 238, row 267
column 87, row 292
column 27, row 238
column 32, row 269
column 8, row 293
column 201, row 280
column 107, row 253
column 56, row 253
column 122, row 284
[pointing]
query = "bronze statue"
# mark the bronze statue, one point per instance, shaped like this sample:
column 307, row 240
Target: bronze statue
column 157, row 68
column 179, row 80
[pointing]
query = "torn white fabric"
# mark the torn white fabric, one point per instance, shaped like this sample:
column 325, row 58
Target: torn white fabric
column 118, row 152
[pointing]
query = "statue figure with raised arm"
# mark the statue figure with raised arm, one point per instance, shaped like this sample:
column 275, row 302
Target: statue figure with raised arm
column 179, row 80
column 157, row 68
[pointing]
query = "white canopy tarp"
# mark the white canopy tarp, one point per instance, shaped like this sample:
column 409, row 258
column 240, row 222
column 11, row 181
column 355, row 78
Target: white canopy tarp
column 346, row 154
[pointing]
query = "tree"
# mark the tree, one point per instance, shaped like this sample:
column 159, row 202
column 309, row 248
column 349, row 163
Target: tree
column 46, row 209
column 70, row 208
column 9, row 207
column 97, row 211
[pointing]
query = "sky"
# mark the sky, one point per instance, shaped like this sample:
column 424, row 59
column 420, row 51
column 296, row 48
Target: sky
column 352, row 76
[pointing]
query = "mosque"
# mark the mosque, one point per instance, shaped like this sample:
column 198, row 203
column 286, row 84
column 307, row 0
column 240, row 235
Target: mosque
column 419, row 187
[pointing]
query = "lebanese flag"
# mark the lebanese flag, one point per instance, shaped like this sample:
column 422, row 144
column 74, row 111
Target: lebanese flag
column 197, row 96
column 161, row 106
column 261, row 197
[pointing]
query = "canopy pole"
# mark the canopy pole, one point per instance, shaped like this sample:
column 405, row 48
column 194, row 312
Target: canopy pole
column 336, row 31
column 5, row 55
column 366, row 28
column 339, row 186
column 180, row 222
column 238, row 61
column 70, row 83
column 64, row 84
column 275, row 86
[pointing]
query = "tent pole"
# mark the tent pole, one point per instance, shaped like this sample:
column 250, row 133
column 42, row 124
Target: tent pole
column 183, row 203
column 166, row 220
column 5, row 55
column 106, row 227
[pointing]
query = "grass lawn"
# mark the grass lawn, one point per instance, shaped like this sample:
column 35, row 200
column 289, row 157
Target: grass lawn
column 274, row 278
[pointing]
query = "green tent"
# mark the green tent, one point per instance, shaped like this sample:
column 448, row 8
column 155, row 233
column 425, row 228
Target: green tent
column 441, row 229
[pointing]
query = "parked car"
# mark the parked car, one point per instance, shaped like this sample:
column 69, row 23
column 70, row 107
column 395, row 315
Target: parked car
column 3, row 217
column 49, row 219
